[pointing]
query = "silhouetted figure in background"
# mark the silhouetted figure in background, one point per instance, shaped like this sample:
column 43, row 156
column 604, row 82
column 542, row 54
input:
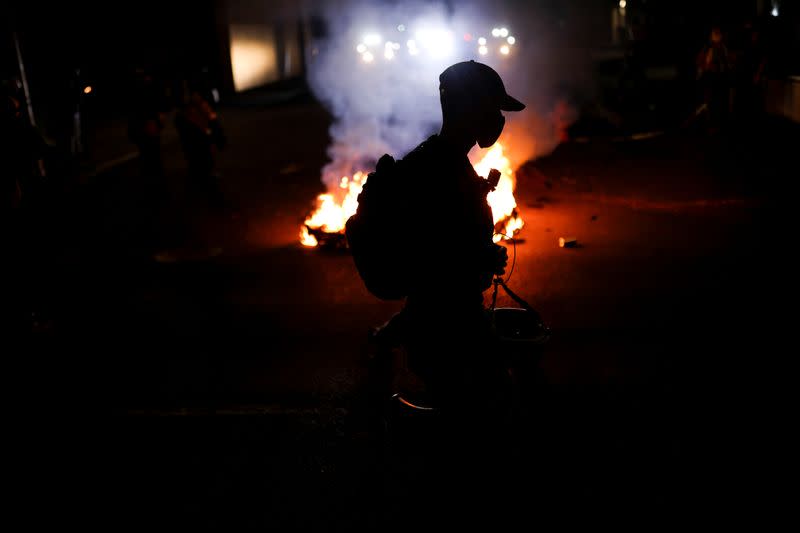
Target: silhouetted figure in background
column 714, row 72
column 201, row 136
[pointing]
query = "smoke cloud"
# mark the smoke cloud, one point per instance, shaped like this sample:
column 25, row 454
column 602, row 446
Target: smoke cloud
column 384, row 94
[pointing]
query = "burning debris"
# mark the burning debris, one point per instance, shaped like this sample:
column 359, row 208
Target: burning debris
column 313, row 237
column 567, row 242
column 327, row 222
column 325, row 226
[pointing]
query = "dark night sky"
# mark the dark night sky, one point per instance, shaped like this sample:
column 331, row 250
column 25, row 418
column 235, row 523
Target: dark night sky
column 112, row 35
column 106, row 40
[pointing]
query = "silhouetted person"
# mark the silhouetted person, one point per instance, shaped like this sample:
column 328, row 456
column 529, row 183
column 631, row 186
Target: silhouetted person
column 452, row 348
column 444, row 329
column 201, row 137
column 447, row 332
column 714, row 74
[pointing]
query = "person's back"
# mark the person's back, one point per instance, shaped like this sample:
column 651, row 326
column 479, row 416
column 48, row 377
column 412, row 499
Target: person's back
column 452, row 224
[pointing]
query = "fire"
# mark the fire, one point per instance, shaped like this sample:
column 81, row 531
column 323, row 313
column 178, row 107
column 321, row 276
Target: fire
column 335, row 207
column 507, row 221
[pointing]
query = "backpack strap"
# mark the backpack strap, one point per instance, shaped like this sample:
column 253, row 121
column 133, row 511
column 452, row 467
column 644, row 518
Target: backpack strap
column 498, row 282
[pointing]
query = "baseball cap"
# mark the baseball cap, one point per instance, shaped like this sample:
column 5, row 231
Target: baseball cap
column 475, row 77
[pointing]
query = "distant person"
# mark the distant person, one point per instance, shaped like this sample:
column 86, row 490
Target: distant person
column 714, row 75
column 201, row 136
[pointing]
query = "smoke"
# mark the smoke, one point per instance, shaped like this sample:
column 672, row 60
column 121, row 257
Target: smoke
column 390, row 104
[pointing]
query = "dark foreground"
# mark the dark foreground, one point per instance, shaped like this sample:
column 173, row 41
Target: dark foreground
column 226, row 390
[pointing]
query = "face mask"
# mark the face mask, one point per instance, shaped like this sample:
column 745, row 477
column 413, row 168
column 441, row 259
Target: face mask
column 491, row 130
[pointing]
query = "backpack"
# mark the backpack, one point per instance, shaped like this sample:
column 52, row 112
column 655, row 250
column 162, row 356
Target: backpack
column 376, row 234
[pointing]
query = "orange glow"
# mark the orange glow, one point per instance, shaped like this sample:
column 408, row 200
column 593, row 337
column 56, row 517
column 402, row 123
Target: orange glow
column 306, row 239
column 334, row 208
column 87, row 89
column 337, row 205
column 504, row 207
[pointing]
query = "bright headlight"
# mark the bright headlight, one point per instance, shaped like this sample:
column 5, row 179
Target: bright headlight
column 372, row 39
column 439, row 43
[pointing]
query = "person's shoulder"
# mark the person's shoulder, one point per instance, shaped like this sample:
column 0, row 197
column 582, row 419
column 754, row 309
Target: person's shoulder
column 424, row 151
column 432, row 143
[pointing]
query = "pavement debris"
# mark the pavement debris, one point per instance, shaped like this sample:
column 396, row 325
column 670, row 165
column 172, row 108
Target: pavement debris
column 567, row 242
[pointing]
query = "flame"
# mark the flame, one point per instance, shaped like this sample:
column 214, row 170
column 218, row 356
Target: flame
column 335, row 207
column 507, row 221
